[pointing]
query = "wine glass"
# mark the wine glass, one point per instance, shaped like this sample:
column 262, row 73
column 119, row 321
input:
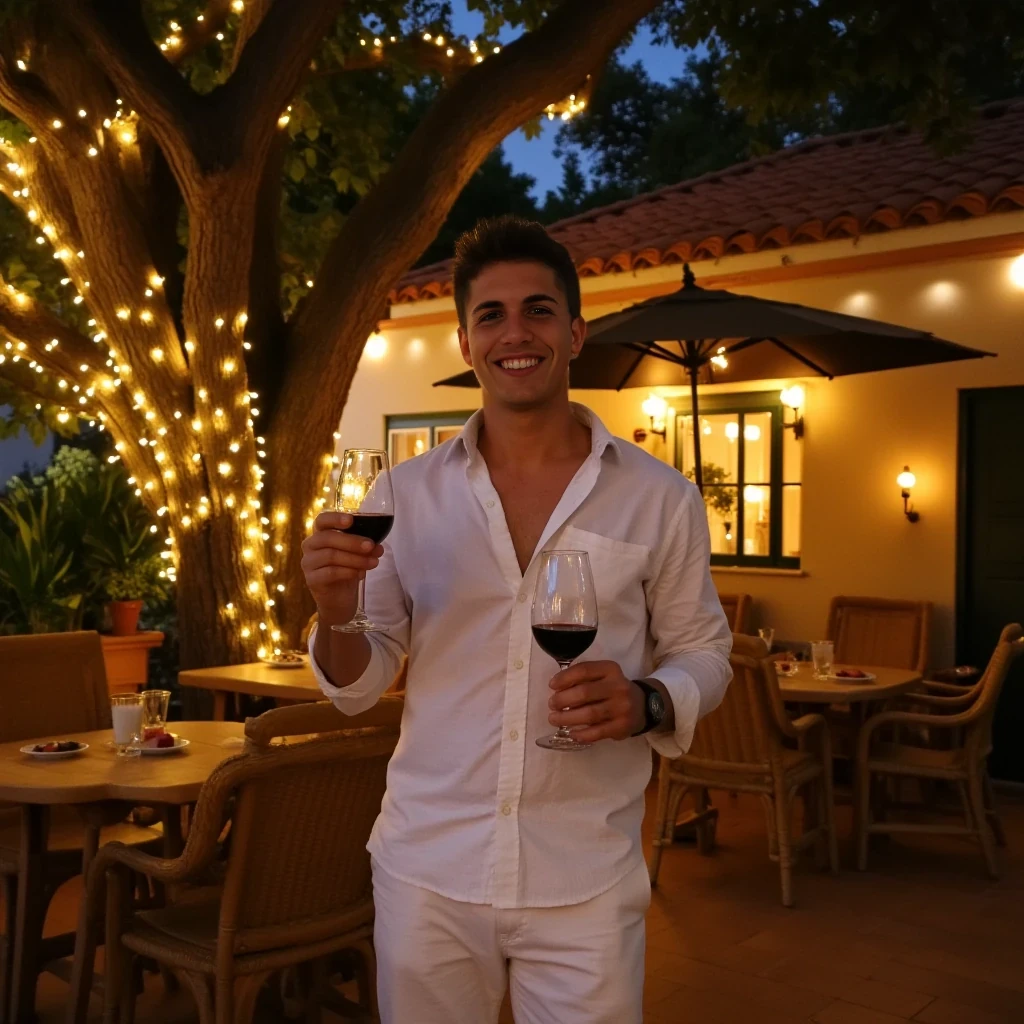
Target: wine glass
column 767, row 634
column 365, row 493
column 564, row 620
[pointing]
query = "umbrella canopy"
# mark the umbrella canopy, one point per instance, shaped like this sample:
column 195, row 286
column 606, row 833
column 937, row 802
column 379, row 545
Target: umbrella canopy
column 696, row 335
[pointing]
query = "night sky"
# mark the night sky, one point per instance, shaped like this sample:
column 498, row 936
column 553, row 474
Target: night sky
column 536, row 157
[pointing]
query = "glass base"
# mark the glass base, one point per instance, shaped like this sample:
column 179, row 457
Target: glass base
column 556, row 741
column 360, row 626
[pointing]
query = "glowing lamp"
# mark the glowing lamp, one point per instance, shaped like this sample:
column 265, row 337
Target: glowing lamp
column 906, row 481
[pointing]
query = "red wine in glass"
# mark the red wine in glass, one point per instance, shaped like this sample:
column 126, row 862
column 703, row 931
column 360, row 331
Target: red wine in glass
column 373, row 526
column 565, row 642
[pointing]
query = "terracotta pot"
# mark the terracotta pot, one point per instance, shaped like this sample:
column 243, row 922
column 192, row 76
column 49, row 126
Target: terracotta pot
column 124, row 617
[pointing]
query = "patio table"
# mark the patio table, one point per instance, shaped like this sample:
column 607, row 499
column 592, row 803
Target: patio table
column 295, row 685
column 91, row 782
column 888, row 683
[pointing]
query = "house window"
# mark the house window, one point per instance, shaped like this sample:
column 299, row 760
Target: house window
column 409, row 436
column 752, row 478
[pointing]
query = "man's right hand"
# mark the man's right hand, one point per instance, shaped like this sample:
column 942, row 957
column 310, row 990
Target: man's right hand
column 333, row 563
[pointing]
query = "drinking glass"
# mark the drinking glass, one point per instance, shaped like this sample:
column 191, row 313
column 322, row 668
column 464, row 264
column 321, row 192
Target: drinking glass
column 564, row 620
column 767, row 634
column 365, row 493
column 126, row 718
column 154, row 709
column 821, row 655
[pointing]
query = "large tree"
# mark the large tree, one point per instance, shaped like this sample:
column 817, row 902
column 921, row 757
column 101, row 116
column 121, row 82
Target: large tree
column 150, row 148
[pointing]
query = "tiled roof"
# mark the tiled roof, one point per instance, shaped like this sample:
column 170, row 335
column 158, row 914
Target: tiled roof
column 838, row 186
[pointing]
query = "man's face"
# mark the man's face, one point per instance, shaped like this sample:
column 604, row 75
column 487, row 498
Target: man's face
column 519, row 336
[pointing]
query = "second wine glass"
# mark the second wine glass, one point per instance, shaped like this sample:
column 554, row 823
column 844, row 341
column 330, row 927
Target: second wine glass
column 365, row 494
column 564, row 620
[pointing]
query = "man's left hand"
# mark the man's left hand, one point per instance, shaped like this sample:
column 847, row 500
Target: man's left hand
column 597, row 702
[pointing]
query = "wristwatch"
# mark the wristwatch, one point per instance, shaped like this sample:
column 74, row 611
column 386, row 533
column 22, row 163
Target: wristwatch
column 654, row 707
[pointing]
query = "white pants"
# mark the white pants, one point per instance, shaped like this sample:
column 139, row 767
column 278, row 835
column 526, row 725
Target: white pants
column 440, row 961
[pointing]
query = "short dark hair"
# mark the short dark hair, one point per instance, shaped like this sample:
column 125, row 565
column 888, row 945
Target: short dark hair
column 511, row 239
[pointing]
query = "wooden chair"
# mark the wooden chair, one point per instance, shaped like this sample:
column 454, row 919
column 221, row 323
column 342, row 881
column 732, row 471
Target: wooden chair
column 737, row 610
column 878, row 631
column 963, row 765
column 296, row 883
column 51, row 684
column 745, row 745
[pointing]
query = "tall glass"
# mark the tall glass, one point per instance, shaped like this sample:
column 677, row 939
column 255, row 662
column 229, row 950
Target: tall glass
column 126, row 718
column 154, row 709
column 822, row 655
column 365, row 493
column 564, row 620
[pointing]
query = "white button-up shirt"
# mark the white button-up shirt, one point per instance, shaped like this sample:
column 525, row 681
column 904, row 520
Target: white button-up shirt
column 474, row 809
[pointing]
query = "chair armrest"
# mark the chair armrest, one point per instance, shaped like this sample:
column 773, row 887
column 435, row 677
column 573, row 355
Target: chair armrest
column 948, row 689
column 905, row 718
column 158, row 868
column 938, row 703
column 805, row 723
column 961, row 675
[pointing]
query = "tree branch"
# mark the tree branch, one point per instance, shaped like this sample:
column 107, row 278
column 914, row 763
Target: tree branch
column 269, row 71
column 404, row 212
column 201, row 33
column 26, row 96
column 115, row 31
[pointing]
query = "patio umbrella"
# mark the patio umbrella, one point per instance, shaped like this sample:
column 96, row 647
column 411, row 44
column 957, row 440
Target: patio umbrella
column 702, row 336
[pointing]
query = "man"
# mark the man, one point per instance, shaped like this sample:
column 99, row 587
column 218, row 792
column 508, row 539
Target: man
column 496, row 861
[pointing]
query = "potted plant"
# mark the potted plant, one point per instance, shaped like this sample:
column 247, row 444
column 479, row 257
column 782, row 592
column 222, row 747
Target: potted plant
column 130, row 588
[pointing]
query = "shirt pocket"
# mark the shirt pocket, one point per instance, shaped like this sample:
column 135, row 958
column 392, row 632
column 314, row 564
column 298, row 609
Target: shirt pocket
column 620, row 569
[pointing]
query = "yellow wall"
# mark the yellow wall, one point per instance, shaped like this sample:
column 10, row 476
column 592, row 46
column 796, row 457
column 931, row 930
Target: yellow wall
column 860, row 431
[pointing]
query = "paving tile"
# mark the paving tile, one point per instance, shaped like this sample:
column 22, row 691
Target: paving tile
column 841, row 1012
column 945, row 1011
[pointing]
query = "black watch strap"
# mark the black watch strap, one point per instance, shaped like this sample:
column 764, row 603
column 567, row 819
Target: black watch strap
column 654, row 707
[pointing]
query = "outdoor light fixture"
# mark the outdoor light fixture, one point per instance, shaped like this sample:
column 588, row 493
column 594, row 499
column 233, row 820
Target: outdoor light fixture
column 654, row 408
column 1017, row 271
column 793, row 398
column 906, row 480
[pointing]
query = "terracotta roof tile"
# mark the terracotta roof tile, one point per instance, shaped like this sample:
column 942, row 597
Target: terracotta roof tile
column 834, row 187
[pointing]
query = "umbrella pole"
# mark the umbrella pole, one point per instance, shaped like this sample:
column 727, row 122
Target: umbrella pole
column 695, row 407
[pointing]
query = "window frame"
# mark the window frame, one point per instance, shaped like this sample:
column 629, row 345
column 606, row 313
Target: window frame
column 742, row 404
column 423, row 421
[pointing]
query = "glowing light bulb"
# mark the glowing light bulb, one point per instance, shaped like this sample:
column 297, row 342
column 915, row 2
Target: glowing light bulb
column 906, row 479
column 732, row 431
column 224, row 468
column 1017, row 272
column 792, row 396
column 157, row 354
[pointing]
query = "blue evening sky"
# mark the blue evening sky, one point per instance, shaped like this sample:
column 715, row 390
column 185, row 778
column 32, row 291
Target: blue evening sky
column 536, row 156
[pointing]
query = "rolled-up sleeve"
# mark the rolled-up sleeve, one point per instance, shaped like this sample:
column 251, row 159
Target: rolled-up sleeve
column 386, row 604
column 691, row 634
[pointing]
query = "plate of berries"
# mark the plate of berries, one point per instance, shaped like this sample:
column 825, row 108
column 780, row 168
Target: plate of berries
column 851, row 675
column 156, row 743
column 55, row 750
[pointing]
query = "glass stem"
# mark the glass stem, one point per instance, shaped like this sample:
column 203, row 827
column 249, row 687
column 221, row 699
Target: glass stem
column 360, row 615
column 563, row 730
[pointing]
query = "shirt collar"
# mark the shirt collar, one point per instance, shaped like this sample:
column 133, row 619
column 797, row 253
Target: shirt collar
column 601, row 438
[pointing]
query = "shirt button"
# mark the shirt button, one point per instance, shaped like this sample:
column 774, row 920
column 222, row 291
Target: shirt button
column 506, row 810
column 490, row 504
column 522, row 597
column 514, row 734
column 519, row 662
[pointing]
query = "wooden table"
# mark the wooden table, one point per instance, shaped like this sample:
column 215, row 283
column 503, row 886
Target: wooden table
column 255, row 679
column 295, row 685
column 803, row 688
column 88, row 782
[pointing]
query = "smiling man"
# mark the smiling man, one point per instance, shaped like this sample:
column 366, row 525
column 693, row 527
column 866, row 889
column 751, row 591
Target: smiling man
column 497, row 863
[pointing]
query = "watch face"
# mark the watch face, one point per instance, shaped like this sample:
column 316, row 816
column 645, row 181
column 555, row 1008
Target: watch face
column 656, row 706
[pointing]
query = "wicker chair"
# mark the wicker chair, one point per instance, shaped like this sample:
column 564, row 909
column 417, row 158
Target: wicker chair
column 742, row 747
column 52, row 684
column 877, row 631
column 737, row 611
column 963, row 765
column 296, row 882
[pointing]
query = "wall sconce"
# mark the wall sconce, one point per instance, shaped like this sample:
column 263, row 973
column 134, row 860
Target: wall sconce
column 793, row 398
column 655, row 407
column 906, row 480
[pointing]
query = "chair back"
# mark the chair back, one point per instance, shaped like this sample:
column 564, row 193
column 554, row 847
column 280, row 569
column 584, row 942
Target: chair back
column 979, row 717
column 878, row 631
column 52, row 684
column 741, row 734
column 737, row 611
column 298, row 870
